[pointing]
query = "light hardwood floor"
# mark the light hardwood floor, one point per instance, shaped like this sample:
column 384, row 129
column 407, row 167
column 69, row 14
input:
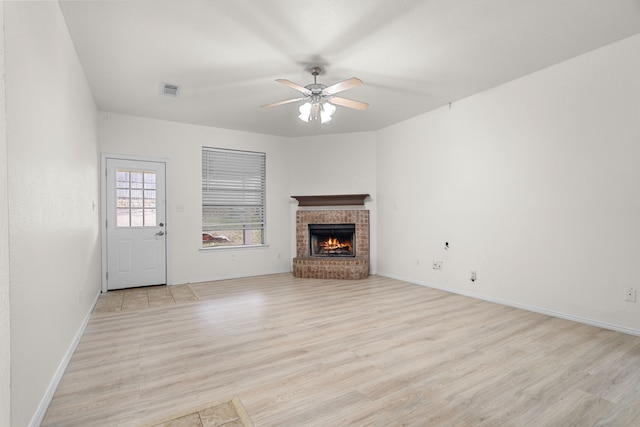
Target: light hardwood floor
column 375, row 352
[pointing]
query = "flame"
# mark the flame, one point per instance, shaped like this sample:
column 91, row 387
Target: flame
column 332, row 244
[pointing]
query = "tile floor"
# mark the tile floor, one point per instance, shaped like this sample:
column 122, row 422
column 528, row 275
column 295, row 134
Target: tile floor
column 227, row 414
column 138, row 298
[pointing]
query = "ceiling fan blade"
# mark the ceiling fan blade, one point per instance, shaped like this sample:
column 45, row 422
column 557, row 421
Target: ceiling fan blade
column 295, row 86
column 288, row 101
column 343, row 85
column 349, row 103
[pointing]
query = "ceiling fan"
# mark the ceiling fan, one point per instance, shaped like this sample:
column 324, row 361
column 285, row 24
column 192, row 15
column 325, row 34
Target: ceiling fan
column 320, row 99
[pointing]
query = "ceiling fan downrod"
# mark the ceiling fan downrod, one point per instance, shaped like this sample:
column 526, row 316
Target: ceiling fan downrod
column 314, row 72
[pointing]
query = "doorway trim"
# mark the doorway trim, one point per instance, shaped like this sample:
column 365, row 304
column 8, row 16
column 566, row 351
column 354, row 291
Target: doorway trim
column 103, row 210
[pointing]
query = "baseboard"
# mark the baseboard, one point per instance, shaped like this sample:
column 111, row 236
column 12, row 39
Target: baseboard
column 38, row 416
column 578, row 319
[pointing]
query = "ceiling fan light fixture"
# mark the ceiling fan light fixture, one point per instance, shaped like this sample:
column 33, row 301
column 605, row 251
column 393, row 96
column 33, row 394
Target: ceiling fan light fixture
column 312, row 111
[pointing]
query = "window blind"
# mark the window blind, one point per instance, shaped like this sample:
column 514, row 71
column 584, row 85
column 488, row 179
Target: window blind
column 233, row 189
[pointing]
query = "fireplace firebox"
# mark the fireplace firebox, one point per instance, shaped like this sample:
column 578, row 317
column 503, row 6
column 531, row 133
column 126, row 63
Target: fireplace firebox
column 332, row 240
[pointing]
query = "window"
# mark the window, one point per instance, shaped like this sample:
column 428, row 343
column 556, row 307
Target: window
column 233, row 197
column 136, row 198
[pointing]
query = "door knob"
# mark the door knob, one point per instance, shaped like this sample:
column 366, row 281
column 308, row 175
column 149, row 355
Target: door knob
column 160, row 233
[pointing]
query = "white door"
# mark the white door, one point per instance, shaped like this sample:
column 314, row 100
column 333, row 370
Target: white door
column 135, row 223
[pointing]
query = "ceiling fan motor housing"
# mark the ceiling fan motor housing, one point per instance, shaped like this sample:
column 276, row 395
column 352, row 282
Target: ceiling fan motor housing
column 315, row 88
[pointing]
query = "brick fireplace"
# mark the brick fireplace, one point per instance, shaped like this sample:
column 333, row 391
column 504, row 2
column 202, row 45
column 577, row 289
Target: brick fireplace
column 316, row 210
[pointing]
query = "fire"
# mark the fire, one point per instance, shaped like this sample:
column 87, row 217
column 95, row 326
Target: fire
column 333, row 244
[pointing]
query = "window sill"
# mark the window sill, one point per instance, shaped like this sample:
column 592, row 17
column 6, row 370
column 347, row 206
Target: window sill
column 223, row 248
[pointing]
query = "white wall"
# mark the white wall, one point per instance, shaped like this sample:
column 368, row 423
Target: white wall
column 182, row 145
column 5, row 305
column 52, row 185
column 335, row 164
column 536, row 186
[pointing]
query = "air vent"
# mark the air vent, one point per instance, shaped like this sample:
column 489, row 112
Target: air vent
column 167, row 89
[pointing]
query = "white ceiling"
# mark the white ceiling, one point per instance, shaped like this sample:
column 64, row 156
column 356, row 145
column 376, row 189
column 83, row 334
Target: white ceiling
column 413, row 55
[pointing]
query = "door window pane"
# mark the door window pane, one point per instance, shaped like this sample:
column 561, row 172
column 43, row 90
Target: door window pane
column 136, row 198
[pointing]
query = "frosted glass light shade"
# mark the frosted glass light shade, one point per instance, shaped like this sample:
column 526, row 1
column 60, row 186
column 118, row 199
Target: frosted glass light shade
column 304, row 110
column 326, row 112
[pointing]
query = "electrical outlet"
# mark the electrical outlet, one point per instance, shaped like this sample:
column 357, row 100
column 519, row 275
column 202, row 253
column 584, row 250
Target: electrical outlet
column 630, row 295
column 437, row 265
column 473, row 276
